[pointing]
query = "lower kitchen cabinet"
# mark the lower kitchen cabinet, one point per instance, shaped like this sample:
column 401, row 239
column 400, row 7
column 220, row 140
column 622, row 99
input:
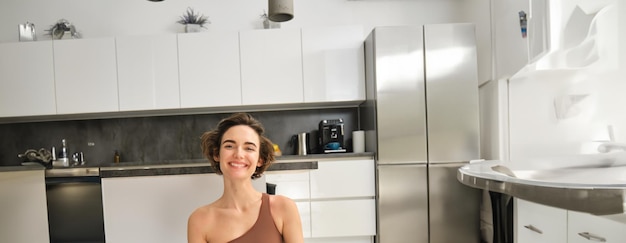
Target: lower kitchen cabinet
column 332, row 210
column 154, row 208
column 585, row 228
column 359, row 180
column 346, row 217
column 23, row 207
column 294, row 185
column 536, row 223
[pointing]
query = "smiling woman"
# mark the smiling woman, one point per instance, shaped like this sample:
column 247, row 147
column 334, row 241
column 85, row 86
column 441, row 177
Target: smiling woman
column 238, row 150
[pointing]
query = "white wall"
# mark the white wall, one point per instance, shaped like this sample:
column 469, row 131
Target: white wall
column 102, row 18
column 570, row 97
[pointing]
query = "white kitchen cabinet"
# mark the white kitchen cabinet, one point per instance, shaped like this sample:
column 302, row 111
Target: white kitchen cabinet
column 333, row 64
column 147, row 71
column 585, row 228
column 209, row 69
column 23, row 207
column 85, row 72
column 359, row 182
column 27, row 77
column 304, row 208
column 294, row 185
column 343, row 208
column 271, row 66
column 536, row 223
column 156, row 208
column 342, row 218
column 512, row 50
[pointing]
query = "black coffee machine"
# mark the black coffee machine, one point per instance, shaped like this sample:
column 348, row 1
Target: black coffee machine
column 331, row 136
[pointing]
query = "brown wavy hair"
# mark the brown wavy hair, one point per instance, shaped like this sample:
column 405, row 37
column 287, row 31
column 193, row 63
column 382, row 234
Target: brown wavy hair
column 211, row 141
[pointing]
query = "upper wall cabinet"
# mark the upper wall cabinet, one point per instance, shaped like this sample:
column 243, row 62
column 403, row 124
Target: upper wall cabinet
column 271, row 66
column 209, row 69
column 86, row 75
column 27, row 78
column 147, row 72
column 333, row 64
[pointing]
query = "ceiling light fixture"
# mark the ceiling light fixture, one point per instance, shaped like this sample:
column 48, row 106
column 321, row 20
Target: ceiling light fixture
column 280, row 10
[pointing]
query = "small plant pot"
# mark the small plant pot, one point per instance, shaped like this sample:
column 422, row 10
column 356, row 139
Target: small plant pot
column 274, row 25
column 266, row 24
column 190, row 28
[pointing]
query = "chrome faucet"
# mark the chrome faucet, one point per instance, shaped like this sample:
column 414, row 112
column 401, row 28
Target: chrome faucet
column 609, row 146
column 78, row 158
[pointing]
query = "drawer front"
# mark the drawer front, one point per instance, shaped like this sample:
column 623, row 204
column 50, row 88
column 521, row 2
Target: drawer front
column 536, row 223
column 294, row 185
column 587, row 228
column 359, row 179
column 343, row 218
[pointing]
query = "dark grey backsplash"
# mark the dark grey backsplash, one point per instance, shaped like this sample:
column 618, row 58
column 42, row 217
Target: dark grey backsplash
column 159, row 138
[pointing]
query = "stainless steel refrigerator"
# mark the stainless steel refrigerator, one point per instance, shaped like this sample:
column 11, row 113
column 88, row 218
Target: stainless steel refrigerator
column 421, row 119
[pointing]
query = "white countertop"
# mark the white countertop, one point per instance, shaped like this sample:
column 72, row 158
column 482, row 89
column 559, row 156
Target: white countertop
column 597, row 189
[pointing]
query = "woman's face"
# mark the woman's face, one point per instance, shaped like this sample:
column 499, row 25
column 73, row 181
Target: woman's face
column 239, row 152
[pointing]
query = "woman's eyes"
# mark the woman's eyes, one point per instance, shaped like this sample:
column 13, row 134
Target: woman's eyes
column 230, row 146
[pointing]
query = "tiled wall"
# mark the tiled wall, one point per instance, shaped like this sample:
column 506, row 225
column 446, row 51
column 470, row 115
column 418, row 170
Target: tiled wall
column 156, row 138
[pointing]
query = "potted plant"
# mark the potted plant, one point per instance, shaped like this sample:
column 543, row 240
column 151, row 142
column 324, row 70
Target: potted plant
column 60, row 28
column 193, row 20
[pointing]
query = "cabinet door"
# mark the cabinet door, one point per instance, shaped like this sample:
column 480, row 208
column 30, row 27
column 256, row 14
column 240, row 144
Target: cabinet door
column 271, row 66
column 536, row 223
column 24, row 209
column 147, row 68
column 304, row 208
column 86, row 75
column 361, row 181
column 292, row 184
column 154, row 208
column 343, row 218
column 333, row 63
column 27, row 76
column 585, row 228
column 209, row 69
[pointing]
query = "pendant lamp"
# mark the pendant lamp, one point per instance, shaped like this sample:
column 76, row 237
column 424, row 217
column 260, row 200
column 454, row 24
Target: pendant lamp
column 280, row 10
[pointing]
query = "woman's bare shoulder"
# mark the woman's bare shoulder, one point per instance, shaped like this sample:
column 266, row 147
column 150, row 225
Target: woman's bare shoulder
column 202, row 215
column 282, row 205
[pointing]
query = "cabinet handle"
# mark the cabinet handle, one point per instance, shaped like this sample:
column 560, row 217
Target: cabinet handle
column 533, row 228
column 592, row 237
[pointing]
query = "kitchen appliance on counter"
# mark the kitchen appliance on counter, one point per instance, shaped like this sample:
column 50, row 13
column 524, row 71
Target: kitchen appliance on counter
column 301, row 140
column 331, row 138
column 421, row 119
